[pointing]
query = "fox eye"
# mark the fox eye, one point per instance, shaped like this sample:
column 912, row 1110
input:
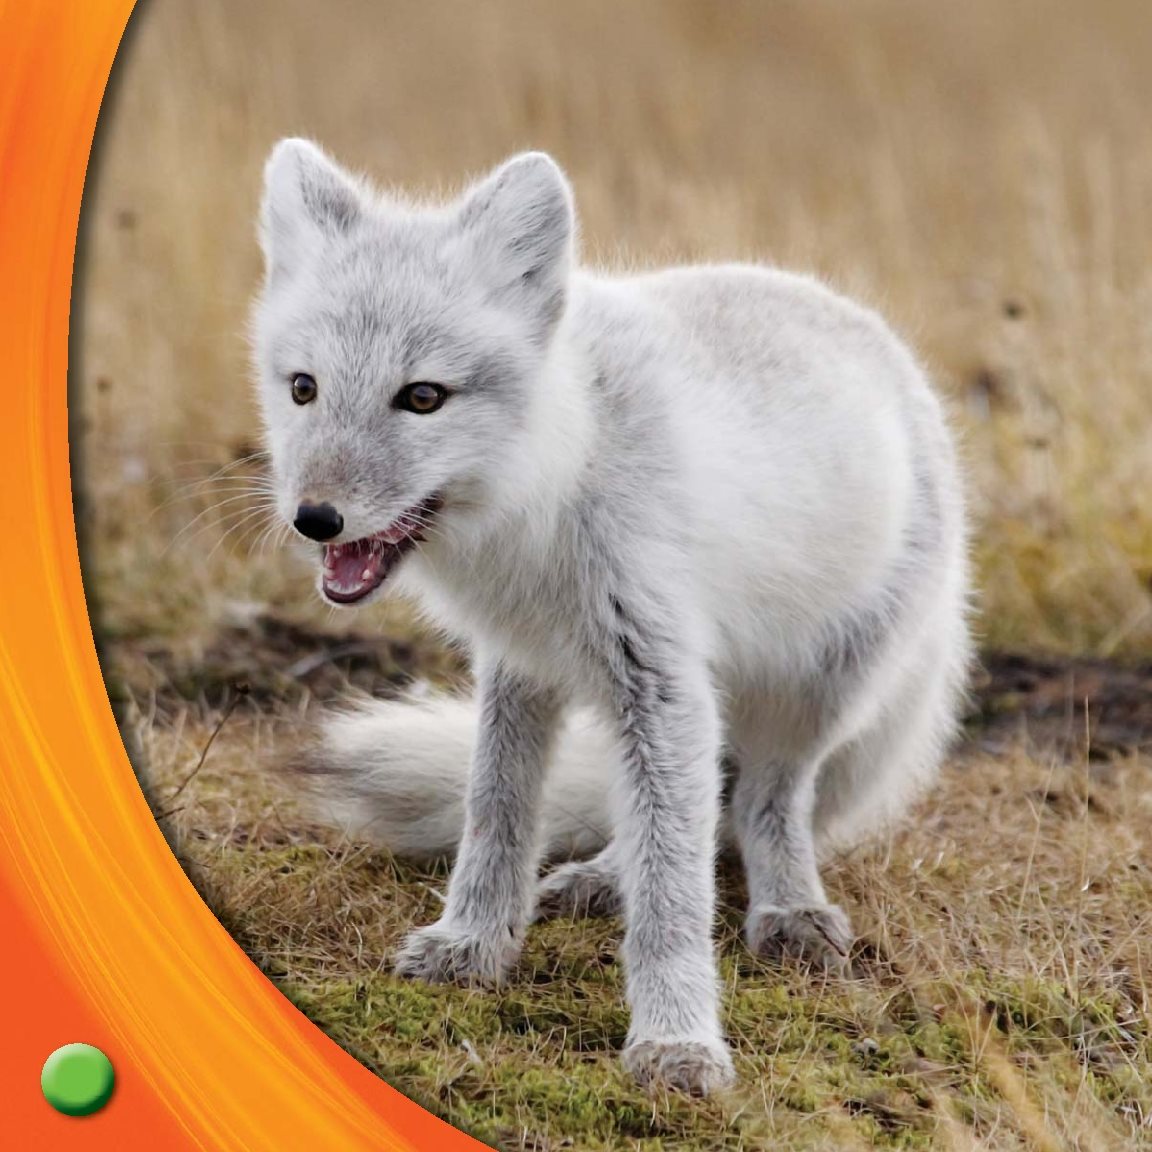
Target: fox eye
column 303, row 388
column 421, row 398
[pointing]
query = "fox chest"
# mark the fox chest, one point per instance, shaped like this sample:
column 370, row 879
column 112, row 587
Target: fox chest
column 533, row 620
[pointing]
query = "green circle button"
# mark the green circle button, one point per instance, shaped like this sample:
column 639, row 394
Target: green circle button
column 77, row 1079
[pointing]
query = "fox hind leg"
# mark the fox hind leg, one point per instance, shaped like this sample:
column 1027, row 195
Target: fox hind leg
column 789, row 914
column 581, row 888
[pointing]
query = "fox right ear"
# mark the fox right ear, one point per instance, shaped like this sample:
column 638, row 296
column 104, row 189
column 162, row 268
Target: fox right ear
column 521, row 223
column 307, row 199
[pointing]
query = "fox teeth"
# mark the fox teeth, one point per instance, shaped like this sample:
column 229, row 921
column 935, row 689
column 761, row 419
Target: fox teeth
column 366, row 574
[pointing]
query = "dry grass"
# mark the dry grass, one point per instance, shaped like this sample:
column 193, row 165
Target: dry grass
column 983, row 173
column 1000, row 997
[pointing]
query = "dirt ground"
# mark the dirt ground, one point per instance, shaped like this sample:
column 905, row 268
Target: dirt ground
column 1074, row 707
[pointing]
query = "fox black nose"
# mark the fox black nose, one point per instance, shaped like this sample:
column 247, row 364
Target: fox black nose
column 318, row 521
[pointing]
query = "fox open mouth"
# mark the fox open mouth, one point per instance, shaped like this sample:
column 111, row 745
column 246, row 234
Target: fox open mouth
column 356, row 569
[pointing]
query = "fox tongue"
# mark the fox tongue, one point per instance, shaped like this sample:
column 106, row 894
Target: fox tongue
column 352, row 571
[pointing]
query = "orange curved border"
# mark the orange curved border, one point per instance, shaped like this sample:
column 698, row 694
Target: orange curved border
column 102, row 937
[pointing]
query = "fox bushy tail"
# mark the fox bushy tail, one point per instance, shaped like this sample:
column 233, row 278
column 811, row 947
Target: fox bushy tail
column 395, row 773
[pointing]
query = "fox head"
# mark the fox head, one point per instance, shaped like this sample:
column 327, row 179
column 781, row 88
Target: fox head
column 399, row 350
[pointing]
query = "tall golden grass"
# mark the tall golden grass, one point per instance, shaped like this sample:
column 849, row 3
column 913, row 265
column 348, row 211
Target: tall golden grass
column 980, row 172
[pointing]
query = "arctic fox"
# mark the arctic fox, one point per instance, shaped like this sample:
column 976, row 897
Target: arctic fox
column 702, row 530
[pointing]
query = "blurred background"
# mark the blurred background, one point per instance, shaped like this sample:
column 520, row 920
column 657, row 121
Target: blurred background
column 979, row 172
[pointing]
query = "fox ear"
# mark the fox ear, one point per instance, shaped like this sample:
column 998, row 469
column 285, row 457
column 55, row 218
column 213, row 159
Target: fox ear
column 521, row 225
column 307, row 199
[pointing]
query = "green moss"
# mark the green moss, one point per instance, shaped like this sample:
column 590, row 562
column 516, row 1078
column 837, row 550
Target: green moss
column 824, row 1062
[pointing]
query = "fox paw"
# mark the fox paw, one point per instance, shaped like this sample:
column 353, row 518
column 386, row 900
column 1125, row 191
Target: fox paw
column 581, row 888
column 442, row 954
column 691, row 1067
column 820, row 935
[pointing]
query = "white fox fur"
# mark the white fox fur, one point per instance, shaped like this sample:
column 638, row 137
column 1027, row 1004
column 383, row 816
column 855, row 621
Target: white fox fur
column 683, row 519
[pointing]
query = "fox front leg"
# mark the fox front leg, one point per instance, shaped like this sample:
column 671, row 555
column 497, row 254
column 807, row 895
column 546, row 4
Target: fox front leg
column 491, row 892
column 665, row 852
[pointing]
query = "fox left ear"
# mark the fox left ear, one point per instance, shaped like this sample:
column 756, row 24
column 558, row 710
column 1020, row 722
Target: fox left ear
column 308, row 199
column 522, row 224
